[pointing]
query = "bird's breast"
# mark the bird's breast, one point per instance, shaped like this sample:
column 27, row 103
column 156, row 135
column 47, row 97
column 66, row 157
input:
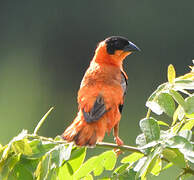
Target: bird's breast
column 104, row 81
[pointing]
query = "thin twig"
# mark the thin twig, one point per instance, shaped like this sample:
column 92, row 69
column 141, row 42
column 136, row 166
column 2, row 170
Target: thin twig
column 123, row 147
column 100, row 144
column 42, row 121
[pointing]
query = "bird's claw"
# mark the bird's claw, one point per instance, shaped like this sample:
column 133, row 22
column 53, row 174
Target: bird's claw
column 118, row 141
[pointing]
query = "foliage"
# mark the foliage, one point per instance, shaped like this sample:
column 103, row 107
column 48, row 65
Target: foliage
column 160, row 146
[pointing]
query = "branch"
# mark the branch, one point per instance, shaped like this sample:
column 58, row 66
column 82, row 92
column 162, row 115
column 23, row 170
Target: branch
column 100, row 144
column 123, row 147
column 187, row 170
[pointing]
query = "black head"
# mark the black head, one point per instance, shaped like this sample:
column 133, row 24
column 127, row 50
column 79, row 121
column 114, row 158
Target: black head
column 119, row 43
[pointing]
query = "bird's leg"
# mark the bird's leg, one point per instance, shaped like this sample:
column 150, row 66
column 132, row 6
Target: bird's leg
column 116, row 135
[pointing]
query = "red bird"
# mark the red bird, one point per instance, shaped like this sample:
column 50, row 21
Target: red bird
column 101, row 94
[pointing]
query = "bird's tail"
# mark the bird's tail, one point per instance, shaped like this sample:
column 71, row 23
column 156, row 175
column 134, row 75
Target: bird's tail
column 82, row 133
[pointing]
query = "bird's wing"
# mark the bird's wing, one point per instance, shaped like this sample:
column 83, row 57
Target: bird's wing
column 97, row 111
column 124, row 87
column 124, row 82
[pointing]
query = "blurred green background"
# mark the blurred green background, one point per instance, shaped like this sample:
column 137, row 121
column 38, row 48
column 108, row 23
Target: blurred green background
column 46, row 46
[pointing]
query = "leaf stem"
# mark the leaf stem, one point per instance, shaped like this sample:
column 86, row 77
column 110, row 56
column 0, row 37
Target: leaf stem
column 148, row 113
column 40, row 123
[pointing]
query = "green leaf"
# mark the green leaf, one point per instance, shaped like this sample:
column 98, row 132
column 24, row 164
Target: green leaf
column 125, row 175
column 158, row 91
column 174, row 156
column 150, row 128
column 190, row 105
column 183, row 81
column 120, row 169
column 9, row 164
column 20, row 136
column 132, row 158
column 4, row 153
column 187, row 134
column 66, row 171
column 6, row 150
column 140, row 140
column 53, row 174
column 98, row 171
column 190, row 157
column 140, row 164
column 171, row 74
column 56, row 159
column 65, row 153
column 157, row 167
column 146, row 165
column 58, row 138
column 179, row 99
column 167, row 166
column 185, row 176
column 180, row 143
column 87, row 167
column 60, row 154
column 184, row 84
column 167, row 103
column 109, row 159
column 188, row 125
column 184, row 146
column 164, row 134
column 155, row 107
column 73, row 164
column 151, row 165
column 88, row 177
column 105, row 178
column 43, row 167
column 162, row 123
column 40, row 148
column 106, row 160
column 190, row 116
column 178, row 114
column 21, row 146
column 24, row 170
column 174, row 129
column 77, row 158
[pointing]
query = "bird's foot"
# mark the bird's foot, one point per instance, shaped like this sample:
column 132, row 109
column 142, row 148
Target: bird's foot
column 118, row 141
column 118, row 151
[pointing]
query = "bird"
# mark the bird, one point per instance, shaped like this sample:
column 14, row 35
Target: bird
column 101, row 94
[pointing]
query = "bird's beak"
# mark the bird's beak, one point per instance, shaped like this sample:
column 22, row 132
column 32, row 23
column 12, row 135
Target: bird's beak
column 131, row 47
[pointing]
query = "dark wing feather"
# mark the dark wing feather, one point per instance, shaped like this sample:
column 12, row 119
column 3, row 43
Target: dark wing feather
column 124, row 87
column 124, row 83
column 97, row 111
column 120, row 108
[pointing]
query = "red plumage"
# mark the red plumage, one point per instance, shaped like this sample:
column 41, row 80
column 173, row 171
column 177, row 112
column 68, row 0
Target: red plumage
column 101, row 94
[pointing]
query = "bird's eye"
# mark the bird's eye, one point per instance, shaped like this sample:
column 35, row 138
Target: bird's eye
column 116, row 43
column 112, row 44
